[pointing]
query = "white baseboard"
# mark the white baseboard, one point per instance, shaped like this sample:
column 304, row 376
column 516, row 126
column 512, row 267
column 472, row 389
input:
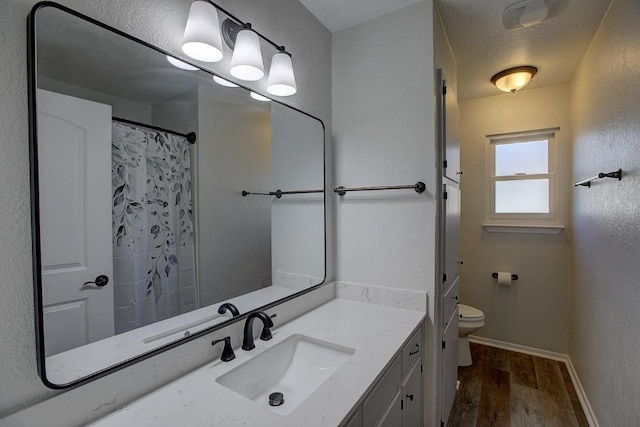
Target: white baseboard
column 586, row 406
column 519, row 348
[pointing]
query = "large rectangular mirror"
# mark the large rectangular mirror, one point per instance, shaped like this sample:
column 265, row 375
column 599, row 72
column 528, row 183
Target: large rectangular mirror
column 158, row 197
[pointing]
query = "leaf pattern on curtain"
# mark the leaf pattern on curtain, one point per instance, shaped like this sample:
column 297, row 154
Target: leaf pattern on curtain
column 151, row 182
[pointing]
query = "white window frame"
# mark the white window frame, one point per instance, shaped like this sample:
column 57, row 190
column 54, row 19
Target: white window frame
column 520, row 219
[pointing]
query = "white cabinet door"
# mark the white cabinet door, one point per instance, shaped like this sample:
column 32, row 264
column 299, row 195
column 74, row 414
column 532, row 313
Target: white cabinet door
column 412, row 398
column 451, row 193
column 74, row 156
column 393, row 415
column 449, row 364
column 450, row 132
column 355, row 420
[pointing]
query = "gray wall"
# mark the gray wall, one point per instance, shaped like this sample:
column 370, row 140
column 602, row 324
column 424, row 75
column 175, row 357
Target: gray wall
column 297, row 221
column 234, row 232
column 161, row 23
column 533, row 311
column 605, row 296
column 384, row 134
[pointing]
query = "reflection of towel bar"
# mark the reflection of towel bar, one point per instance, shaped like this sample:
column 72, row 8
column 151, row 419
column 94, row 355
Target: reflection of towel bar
column 513, row 276
column 418, row 186
column 587, row 182
column 280, row 193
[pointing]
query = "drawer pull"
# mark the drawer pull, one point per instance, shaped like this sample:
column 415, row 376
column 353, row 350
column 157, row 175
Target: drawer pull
column 411, row 353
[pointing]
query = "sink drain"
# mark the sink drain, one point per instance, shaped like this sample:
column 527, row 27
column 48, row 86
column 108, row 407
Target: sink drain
column 276, row 399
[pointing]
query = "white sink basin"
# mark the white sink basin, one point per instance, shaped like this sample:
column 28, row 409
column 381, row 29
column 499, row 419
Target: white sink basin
column 295, row 367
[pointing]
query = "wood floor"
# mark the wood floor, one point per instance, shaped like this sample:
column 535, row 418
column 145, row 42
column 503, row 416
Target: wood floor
column 504, row 388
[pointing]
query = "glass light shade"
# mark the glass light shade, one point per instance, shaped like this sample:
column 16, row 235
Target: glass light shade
column 180, row 64
column 223, row 82
column 246, row 62
column 281, row 81
column 202, row 39
column 514, row 79
column 258, row 97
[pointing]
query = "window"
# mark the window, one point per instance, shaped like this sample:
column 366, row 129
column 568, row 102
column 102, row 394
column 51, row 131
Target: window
column 521, row 178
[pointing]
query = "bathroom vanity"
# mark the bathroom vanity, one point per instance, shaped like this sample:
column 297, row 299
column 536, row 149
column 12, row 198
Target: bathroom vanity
column 379, row 382
column 344, row 363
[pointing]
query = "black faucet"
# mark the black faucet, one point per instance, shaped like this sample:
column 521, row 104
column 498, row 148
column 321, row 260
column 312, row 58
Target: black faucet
column 227, row 351
column 247, row 342
column 228, row 306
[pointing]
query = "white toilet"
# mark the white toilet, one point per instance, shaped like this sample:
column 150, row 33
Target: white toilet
column 469, row 320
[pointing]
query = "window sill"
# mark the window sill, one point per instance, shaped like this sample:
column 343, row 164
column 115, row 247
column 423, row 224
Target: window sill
column 527, row 229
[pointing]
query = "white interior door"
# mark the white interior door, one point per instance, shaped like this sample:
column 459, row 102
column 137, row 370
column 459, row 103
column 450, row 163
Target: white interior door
column 74, row 156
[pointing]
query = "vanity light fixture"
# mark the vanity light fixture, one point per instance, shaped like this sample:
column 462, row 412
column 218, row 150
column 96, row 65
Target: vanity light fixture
column 246, row 62
column 258, row 97
column 281, row 81
column 202, row 39
column 514, row 79
column 224, row 82
column 180, row 64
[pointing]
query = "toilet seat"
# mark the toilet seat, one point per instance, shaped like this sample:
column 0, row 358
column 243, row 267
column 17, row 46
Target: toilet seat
column 467, row 313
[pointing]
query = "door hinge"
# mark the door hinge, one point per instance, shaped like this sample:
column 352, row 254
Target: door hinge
column 441, row 423
column 445, row 195
column 444, row 90
column 444, row 164
column 444, row 277
column 444, row 345
column 421, row 368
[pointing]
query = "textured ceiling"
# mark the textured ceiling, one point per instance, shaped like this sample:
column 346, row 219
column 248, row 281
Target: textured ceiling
column 337, row 15
column 482, row 47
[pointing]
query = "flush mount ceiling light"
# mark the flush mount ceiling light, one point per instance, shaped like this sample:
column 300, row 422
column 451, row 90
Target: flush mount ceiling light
column 531, row 12
column 203, row 41
column 514, row 79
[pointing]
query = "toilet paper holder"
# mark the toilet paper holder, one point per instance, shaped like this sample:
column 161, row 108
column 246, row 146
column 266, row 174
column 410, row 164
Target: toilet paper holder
column 513, row 276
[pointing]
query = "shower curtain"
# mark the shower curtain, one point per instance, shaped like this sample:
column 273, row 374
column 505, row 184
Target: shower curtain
column 154, row 275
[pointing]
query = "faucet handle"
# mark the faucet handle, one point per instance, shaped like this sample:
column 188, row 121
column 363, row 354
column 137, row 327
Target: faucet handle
column 227, row 351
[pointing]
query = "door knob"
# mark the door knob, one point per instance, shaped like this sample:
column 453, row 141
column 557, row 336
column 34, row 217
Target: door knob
column 100, row 281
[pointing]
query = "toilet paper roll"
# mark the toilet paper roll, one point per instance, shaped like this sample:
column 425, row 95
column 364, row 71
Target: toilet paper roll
column 504, row 278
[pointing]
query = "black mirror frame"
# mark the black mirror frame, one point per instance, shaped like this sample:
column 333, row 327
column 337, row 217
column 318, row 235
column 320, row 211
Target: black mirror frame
column 35, row 214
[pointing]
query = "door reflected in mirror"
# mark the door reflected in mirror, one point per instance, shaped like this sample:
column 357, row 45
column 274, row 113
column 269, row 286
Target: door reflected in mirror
column 142, row 233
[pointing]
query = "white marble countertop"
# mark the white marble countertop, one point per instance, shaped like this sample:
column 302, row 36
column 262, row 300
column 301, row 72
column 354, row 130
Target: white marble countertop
column 375, row 332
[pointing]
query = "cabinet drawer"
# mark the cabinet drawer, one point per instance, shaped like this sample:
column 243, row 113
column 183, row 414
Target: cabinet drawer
column 412, row 350
column 378, row 400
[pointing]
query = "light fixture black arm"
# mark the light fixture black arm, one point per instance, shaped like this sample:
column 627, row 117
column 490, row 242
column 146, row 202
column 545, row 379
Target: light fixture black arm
column 247, row 25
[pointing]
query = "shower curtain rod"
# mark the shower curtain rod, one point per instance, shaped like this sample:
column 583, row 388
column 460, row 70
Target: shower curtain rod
column 191, row 136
